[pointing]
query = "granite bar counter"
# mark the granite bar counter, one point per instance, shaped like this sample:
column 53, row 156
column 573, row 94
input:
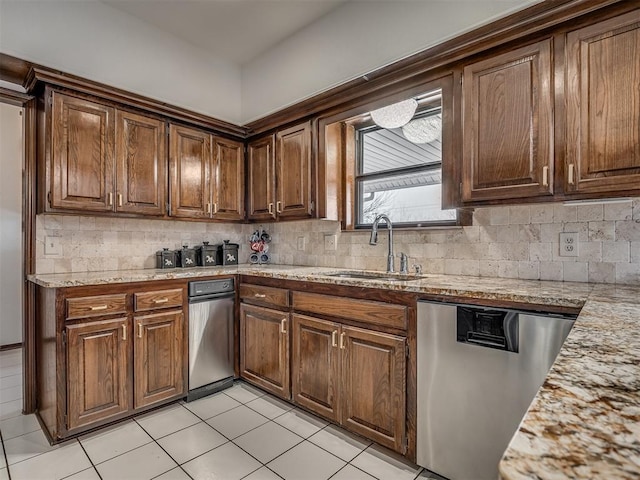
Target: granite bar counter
column 585, row 420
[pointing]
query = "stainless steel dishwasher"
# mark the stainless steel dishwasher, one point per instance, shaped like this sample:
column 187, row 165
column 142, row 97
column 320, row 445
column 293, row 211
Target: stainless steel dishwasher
column 211, row 352
column 478, row 370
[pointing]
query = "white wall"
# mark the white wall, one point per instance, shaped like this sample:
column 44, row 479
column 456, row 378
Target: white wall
column 10, row 225
column 356, row 38
column 93, row 40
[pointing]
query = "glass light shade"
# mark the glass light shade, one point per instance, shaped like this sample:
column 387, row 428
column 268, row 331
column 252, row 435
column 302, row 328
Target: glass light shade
column 396, row 115
column 423, row 130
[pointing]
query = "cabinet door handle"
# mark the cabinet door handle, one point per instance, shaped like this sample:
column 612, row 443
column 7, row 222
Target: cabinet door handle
column 119, row 199
column 215, row 208
column 342, row 346
column 270, row 208
column 545, row 176
column 139, row 330
column 98, row 307
column 259, row 295
column 208, row 208
column 571, row 174
column 110, row 199
column 124, row 331
column 334, row 338
column 279, row 206
column 161, row 300
column 283, row 327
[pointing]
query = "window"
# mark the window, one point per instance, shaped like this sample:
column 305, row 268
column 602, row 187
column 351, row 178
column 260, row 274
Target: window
column 399, row 177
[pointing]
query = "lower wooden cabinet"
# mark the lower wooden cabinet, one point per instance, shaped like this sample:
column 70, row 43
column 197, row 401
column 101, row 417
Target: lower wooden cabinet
column 157, row 356
column 106, row 353
column 354, row 376
column 264, row 348
column 97, row 371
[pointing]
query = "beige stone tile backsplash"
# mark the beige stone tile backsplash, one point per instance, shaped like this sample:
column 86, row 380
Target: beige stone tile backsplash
column 512, row 242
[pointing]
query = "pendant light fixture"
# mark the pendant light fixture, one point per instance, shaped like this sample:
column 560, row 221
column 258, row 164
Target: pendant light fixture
column 423, row 130
column 395, row 115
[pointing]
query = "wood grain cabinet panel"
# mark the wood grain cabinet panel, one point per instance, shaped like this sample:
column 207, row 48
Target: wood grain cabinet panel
column 315, row 360
column 189, row 166
column 603, row 107
column 508, row 125
column 264, row 349
column 293, row 172
column 97, row 373
column 158, row 357
column 82, row 153
column 266, row 296
column 95, row 306
column 158, row 299
column 261, row 180
column 374, row 385
column 228, row 175
column 141, row 167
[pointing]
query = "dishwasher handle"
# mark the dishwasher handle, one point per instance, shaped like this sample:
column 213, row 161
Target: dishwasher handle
column 213, row 296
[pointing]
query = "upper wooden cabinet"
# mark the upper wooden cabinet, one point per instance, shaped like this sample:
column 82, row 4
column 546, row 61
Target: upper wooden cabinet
column 603, row 107
column 141, row 168
column 104, row 159
column 508, row 125
column 207, row 175
column 81, row 170
column 280, row 181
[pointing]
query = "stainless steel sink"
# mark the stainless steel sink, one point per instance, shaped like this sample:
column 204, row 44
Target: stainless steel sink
column 389, row 277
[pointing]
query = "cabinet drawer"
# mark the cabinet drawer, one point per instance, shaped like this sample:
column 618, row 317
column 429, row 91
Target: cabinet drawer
column 368, row 311
column 264, row 295
column 83, row 307
column 157, row 299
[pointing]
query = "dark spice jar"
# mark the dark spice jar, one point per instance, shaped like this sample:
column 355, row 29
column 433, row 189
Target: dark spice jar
column 166, row 258
column 228, row 253
column 207, row 255
column 186, row 257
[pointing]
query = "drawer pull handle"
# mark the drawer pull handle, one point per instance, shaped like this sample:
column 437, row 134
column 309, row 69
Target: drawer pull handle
column 161, row 300
column 139, row 330
column 259, row 295
column 342, row 346
column 571, row 174
column 334, row 338
column 98, row 307
column 124, row 332
column 545, row 176
column 283, row 323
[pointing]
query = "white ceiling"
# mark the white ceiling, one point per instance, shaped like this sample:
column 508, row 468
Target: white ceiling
column 234, row 30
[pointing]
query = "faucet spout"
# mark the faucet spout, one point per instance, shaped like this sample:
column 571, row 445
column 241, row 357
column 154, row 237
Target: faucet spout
column 373, row 240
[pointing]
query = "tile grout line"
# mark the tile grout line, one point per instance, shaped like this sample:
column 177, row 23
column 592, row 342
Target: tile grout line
column 4, row 452
column 93, row 465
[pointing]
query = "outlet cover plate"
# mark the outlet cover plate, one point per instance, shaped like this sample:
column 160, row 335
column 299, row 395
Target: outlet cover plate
column 301, row 242
column 330, row 242
column 569, row 244
column 52, row 247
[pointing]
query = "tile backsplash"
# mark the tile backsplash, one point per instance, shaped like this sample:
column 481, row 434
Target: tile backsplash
column 513, row 242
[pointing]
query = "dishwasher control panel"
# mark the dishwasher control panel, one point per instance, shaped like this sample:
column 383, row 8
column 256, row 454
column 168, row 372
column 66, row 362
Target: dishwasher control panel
column 210, row 287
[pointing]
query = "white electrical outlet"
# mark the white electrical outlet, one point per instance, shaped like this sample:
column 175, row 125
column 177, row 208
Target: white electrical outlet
column 301, row 243
column 569, row 244
column 330, row 242
column 52, row 246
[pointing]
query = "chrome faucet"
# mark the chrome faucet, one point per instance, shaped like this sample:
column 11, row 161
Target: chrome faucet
column 374, row 239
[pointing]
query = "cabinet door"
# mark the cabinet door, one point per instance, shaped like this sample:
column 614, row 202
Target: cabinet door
column 97, row 364
column 189, row 166
column 228, row 174
column 293, row 172
column 261, row 196
column 264, row 349
column 374, row 385
column 603, row 106
column 82, row 150
column 508, row 125
column 141, row 164
column 158, row 358
column 316, row 365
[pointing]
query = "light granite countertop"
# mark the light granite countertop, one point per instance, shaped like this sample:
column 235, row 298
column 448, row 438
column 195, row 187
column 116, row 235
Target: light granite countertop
column 585, row 420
